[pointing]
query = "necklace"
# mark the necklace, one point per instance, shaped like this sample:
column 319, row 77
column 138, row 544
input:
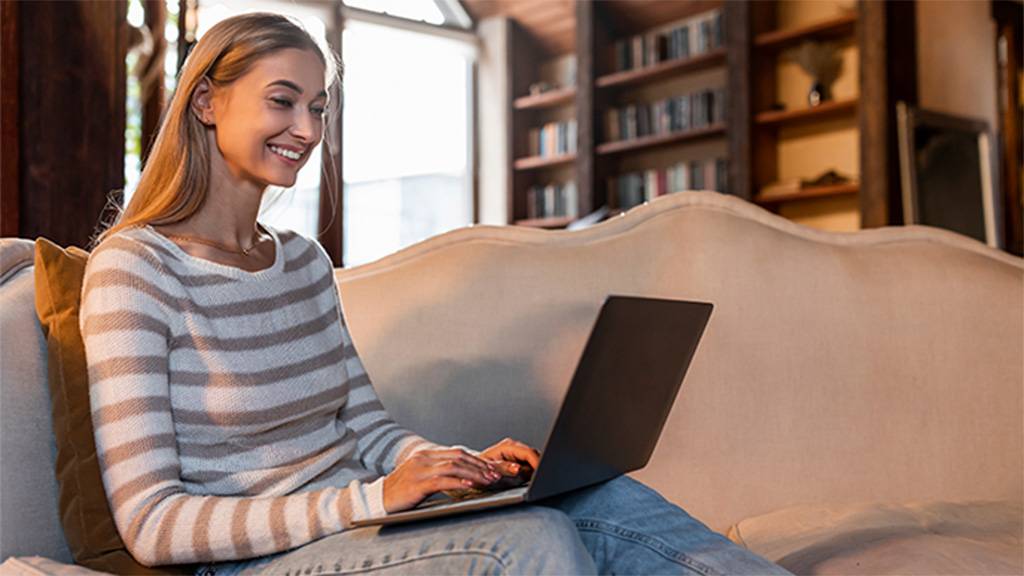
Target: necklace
column 218, row 245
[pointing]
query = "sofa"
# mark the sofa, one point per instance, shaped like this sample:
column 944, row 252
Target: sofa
column 855, row 405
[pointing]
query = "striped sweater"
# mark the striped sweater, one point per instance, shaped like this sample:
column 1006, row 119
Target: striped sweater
column 232, row 415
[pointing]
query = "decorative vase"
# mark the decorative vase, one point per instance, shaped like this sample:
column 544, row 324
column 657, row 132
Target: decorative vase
column 819, row 93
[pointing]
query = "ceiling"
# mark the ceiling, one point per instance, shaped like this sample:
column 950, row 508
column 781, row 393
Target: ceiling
column 551, row 22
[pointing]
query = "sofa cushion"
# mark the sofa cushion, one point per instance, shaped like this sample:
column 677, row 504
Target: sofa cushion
column 84, row 511
column 915, row 538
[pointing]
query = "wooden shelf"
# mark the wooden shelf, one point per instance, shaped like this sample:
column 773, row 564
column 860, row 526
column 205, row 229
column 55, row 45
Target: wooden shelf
column 826, row 110
column 807, row 193
column 660, row 140
column 832, row 28
column 554, row 222
column 636, row 17
column 534, row 162
column 548, row 99
column 663, row 69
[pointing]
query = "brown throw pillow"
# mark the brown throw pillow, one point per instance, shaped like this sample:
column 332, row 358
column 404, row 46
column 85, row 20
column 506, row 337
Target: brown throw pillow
column 84, row 511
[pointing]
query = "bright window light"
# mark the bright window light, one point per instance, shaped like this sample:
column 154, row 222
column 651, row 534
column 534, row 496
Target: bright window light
column 406, row 139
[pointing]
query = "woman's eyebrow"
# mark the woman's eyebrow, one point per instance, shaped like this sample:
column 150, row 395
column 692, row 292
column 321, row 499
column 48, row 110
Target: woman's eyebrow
column 294, row 86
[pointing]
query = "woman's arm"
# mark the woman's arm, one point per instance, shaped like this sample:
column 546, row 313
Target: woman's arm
column 124, row 315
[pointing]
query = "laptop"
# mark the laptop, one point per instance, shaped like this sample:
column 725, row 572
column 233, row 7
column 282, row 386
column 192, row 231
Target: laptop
column 617, row 403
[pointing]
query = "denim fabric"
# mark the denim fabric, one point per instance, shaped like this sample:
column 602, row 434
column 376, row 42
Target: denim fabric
column 617, row 527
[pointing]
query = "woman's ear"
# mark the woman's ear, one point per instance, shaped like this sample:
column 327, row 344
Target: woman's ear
column 202, row 102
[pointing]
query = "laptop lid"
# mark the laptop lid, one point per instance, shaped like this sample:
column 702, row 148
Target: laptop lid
column 621, row 393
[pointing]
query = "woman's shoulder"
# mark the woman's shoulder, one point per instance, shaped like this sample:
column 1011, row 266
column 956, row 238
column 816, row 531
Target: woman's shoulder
column 300, row 250
column 129, row 248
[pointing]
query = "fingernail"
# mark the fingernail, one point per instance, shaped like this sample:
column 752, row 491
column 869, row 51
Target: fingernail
column 515, row 467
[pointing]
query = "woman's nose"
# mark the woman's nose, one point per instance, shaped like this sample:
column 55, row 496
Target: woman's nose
column 305, row 126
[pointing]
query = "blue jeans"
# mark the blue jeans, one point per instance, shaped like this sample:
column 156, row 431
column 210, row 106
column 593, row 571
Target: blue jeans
column 617, row 527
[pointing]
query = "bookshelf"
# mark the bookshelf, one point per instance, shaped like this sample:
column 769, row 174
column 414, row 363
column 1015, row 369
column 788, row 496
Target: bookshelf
column 778, row 139
column 543, row 133
column 760, row 126
column 635, row 85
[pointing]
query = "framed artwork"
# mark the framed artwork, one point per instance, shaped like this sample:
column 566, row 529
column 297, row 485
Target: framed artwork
column 947, row 173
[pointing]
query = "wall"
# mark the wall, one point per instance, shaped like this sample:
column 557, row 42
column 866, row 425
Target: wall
column 956, row 44
column 492, row 120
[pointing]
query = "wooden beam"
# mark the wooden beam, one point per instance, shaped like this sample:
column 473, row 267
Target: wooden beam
column 332, row 182
column 152, row 76
column 886, row 36
column 73, row 105
column 741, row 113
column 9, row 184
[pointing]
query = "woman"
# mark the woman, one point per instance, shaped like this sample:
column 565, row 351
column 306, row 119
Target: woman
column 235, row 424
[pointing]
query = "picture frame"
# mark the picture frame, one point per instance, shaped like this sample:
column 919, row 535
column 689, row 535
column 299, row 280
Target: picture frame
column 948, row 175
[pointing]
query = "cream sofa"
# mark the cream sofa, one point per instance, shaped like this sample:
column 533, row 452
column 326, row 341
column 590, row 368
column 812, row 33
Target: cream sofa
column 855, row 405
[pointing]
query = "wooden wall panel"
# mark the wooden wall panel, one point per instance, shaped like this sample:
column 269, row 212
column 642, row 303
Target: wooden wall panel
column 72, row 112
column 9, row 119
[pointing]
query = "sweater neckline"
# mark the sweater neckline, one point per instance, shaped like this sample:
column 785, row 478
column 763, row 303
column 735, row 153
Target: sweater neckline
column 225, row 269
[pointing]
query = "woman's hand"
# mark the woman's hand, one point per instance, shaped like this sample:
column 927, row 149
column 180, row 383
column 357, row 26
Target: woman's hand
column 430, row 471
column 509, row 455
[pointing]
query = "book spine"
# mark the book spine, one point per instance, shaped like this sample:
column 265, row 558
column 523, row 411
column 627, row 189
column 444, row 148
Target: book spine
column 572, row 200
column 549, row 201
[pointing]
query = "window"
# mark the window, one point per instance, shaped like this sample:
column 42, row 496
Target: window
column 407, row 138
column 133, row 104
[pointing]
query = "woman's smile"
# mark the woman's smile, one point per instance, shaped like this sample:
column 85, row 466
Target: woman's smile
column 289, row 157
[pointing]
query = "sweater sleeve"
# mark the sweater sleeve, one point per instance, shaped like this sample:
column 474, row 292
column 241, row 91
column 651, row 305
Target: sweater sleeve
column 127, row 302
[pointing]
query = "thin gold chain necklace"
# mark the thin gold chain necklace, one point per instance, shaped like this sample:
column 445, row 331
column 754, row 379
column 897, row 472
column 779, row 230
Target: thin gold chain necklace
column 217, row 245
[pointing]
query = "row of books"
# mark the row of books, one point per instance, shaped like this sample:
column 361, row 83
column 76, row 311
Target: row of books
column 634, row 188
column 678, row 113
column 554, row 199
column 553, row 138
column 692, row 37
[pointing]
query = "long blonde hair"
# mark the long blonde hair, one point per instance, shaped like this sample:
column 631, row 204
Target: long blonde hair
column 175, row 179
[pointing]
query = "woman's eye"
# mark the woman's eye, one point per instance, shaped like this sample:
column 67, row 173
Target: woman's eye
column 318, row 111
column 281, row 101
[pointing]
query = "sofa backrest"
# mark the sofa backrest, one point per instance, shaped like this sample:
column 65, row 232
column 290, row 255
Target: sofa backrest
column 29, row 521
column 880, row 365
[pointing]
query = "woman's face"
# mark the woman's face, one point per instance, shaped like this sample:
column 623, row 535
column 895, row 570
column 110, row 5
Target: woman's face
column 274, row 111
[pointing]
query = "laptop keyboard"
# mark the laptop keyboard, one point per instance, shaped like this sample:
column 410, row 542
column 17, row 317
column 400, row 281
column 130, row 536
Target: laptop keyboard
column 444, row 500
column 496, row 489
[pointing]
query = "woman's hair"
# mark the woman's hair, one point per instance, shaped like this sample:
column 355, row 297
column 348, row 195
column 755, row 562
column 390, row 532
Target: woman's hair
column 175, row 179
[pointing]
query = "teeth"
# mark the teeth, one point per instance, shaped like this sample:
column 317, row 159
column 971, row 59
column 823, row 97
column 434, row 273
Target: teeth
column 286, row 153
